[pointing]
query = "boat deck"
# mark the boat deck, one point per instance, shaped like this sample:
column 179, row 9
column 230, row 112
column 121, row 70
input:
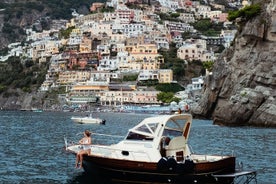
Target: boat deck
column 240, row 177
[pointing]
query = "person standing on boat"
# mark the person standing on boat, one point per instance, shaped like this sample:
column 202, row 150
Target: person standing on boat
column 86, row 140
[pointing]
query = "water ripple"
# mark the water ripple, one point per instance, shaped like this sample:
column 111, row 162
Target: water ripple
column 32, row 145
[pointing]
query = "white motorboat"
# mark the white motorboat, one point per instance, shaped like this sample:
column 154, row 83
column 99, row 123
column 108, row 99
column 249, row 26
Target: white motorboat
column 156, row 150
column 87, row 120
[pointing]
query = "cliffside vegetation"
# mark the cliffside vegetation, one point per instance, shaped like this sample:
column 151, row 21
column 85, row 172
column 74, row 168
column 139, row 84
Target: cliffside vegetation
column 245, row 13
column 56, row 9
column 22, row 14
column 26, row 75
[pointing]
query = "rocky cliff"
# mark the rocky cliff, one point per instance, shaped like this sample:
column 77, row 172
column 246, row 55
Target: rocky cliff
column 241, row 90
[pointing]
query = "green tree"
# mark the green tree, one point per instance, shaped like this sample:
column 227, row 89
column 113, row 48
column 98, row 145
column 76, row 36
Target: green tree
column 175, row 15
column 130, row 77
column 247, row 12
column 172, row 61
column 202, row 25
column 169, row 87
column 208, row 65
column 29, row 76
column 66, row 33
column 207, row 27
column 167, row 97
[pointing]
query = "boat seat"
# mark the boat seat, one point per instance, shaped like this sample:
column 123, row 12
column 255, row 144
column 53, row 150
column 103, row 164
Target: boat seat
column 176, row 148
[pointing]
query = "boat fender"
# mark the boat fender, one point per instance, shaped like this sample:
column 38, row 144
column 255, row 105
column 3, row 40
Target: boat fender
column 162, row 164
column 167, row 164
column 187, row 166
column 171, row 163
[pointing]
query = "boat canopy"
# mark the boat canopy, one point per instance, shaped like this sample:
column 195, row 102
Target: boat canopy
column 164, row 125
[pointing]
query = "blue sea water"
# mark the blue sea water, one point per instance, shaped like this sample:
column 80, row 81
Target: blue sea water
column 32, row 145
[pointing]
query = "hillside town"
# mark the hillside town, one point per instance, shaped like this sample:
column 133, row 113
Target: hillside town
column 102, row 47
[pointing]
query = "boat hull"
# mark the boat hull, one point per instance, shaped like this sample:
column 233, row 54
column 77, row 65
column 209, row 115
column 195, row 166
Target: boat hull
column 124, row 170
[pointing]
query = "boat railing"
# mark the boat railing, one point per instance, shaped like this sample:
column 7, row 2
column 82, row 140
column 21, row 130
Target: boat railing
column 217, row 151
column 205, row 157
column 67, row 143
column 239, row 177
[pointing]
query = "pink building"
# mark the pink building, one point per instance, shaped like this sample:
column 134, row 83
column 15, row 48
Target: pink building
column 223, row 17
column 96, row 6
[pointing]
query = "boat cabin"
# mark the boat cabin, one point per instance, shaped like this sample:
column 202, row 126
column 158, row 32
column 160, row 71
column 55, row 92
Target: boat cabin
column 168, row 134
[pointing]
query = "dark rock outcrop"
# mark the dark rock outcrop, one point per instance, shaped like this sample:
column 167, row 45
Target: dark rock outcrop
column 241, row 90
column 20, row 100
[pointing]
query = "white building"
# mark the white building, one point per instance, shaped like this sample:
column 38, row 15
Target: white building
column 133, row 29
column 107, row 64
column 162, row 42
column 197, row 84
column 147, row 75
column 203, row 11
column 228, row 36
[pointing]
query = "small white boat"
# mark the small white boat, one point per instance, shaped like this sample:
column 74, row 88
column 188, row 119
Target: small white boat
column 87, row 120
column 37, row 110
column 156, row 150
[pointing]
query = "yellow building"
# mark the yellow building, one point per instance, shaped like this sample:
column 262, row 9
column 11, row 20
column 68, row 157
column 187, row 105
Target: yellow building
column 71, row 23
column 85, row 92
column 70, row 77
column 143, row 52
column 141, row 57
column 135, row 40
column 88, row 89
column 86, row 45
column 76, row 31
column 165, row 76
column 150, row 65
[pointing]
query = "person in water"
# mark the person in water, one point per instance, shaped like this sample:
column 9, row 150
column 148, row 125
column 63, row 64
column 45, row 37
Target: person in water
column 86, row 140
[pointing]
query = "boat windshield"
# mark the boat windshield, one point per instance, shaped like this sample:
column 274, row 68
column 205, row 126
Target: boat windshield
column 174, row 128
column 150, row 128
column 136, row 136
column 143, row 132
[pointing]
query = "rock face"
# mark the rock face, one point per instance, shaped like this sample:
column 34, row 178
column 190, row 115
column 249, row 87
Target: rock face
column 21, row 101
column 241, row 90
